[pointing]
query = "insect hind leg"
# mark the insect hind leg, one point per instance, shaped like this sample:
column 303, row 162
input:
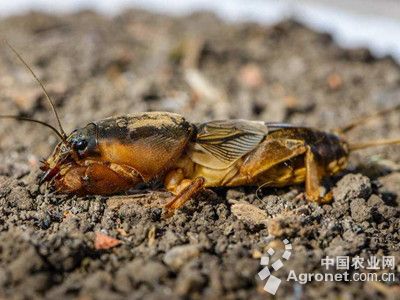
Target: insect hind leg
column 314, row 176
column 272, row 163
column 260, row 164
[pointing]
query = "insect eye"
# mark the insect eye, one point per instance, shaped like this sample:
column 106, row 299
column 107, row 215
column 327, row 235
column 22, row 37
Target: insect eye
column 80, row 145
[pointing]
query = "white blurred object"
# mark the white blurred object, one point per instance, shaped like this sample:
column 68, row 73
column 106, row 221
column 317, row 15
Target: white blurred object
column 353, row 23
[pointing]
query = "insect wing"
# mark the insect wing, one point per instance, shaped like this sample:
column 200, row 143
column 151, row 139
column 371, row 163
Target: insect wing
column 219, row 144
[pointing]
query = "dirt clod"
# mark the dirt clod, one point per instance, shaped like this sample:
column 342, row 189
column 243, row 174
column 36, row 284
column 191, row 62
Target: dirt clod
column 352, row 186
column 359, row 210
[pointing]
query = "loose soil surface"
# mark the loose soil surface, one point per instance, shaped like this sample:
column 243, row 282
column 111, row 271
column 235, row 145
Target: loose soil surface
column 96, row 66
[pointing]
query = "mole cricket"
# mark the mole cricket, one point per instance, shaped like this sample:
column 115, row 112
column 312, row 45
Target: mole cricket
column 115, row 154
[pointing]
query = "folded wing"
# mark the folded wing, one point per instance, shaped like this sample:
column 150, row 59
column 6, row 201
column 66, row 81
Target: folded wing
column 219, row 144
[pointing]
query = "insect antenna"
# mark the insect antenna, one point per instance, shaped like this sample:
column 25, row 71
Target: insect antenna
column 366, row 119
column 60, row 133
column 34, row 121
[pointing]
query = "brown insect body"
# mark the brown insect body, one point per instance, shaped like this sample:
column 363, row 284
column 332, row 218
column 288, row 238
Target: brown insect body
column 115, row 154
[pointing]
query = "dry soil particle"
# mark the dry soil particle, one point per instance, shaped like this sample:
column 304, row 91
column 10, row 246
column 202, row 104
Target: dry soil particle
column 96, row 66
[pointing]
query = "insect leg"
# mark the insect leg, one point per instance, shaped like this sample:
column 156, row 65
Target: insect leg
column 269, row 154
column 127, row 172
column 180, row 199
column 173, row 180
column 314, row 175
column 100, row 179
column 263, row 166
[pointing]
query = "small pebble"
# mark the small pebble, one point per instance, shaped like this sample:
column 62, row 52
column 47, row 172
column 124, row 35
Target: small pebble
column 179, row 255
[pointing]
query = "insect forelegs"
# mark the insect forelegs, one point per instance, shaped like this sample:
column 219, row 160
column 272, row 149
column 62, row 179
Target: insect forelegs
column 98, row 178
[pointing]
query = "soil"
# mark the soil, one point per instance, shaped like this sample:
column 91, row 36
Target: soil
column 96, row 66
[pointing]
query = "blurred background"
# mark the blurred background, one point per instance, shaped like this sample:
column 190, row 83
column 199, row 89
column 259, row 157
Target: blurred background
column 354, row 23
